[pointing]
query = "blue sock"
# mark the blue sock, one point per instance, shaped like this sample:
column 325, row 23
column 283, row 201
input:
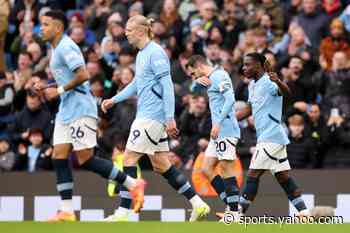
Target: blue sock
column 126, row 200
column 64, row 178
column 293, row 193
column 219, row 186
column 179, row 182
column 232, row 193
column 104, row 168
column 249, row 192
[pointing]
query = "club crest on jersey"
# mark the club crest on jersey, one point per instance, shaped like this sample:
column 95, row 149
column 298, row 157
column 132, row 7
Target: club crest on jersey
column 224, row 86
column 72, row 56
column 160, row 62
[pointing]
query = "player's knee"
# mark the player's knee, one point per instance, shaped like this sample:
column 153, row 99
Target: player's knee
column 282, row 177
column 57, row 155
column 227, row 165
column 207, row 170
column 129, row 161
column 159, row 168
column 254, row 173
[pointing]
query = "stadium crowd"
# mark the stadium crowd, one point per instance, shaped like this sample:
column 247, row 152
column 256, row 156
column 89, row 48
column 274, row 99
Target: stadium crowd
column 306, row 42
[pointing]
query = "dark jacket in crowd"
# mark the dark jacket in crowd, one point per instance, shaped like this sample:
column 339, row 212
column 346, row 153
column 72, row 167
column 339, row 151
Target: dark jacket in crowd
column 192, row 128
column 27, row 119
column 300, row 151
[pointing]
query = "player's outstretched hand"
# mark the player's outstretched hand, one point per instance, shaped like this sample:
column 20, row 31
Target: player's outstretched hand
column 171, row 129
column 107, row 104
column 204, row 81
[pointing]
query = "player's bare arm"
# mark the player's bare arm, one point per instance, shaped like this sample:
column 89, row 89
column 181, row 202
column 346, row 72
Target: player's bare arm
column 81, row 75
column 283, row 88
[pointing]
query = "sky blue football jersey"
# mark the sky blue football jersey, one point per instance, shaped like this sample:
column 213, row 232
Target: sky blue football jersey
column 266, row 106
column 78, row 102
column 221, row 103
column 152, row 84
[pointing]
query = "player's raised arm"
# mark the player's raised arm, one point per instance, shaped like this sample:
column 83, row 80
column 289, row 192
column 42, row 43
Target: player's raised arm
column 283, row 88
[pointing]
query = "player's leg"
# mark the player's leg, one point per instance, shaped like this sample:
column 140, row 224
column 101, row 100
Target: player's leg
column 64, row 182
column 64, row 177
column 231, row 186
column 103, row 167
column 161, row 164
column 250, row 189
column 129, row 167
column 208, row 168
column 84, row 140
column 226, row 152
column 292, row 190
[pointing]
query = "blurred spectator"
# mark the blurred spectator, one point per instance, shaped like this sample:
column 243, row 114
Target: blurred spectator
column 314, row 22
column 337, row 41
column 274, row 10
column 25, row 37
column 233, row 24
column 297, row 45
column 77, row 34
column 335, row 84
column 34, row 115
column 317, row 128
column 4, row 14
column 122, row 115
column 6, row 97
column 39, row 62
column 261, row 40
column 338, row 143
column 23, row 71
column 300, row 149
column 290, row 10
column 7, row 157
column 77, row 20
column 97, row 15
column 194, row 124
column 35, row 156
column 332, row 7
column 299, row 82
column 171, row 20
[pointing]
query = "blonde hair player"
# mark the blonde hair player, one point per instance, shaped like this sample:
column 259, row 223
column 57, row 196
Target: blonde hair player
column 154, row 120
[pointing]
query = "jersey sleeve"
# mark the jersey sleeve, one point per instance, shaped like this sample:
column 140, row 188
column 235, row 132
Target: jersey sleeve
column 72, row 57
column 161, row 68
column 225, row 88
column 272, row 88
column 225, row 84
column 160, row 64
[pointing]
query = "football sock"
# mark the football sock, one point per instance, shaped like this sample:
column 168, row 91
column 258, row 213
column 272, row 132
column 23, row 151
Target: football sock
column 249, row 192
column 125, row 196
column 104, row 168
column 219, row 186
column 291, row 189
column 179, row 182
column 64, row 181
column 232, row 193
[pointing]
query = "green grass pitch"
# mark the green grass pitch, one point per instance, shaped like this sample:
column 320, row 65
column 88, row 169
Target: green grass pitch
column 158, row 227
